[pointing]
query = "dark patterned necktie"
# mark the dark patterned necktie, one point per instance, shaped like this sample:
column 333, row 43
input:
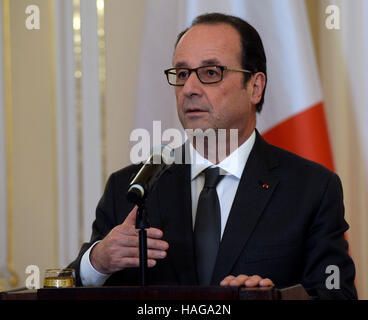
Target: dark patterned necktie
column 207, row 229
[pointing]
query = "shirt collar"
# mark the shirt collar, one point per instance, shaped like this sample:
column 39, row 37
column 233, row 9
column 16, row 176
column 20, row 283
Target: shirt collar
column 233, row 164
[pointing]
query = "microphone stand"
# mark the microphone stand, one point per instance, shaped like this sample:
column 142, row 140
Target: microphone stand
column 142, row 223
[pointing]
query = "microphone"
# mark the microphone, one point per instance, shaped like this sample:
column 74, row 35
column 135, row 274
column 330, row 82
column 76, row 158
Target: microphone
column 147, row 177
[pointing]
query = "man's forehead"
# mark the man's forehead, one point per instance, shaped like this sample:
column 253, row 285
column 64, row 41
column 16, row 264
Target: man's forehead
column 214, row 30
column 206, row 42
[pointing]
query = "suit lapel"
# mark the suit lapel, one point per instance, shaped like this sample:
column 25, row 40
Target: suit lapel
column 176, row 215
column 254, row 191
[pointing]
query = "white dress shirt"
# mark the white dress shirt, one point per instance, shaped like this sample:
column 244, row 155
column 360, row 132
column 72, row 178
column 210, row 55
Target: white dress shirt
column 232, row 167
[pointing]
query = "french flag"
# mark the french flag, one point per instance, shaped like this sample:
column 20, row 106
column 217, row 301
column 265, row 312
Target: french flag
column 293, row 117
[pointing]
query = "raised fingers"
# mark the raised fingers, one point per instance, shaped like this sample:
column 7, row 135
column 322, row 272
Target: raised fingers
column 130, row 262
column 130, row 219
column 134, row 252
column 133, row 241
column 130, row 230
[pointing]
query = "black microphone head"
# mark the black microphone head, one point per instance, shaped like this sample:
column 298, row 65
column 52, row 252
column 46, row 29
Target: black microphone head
column 135, row 194
column 146, row 178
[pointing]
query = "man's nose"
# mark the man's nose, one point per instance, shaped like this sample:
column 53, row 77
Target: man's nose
column 193, row 86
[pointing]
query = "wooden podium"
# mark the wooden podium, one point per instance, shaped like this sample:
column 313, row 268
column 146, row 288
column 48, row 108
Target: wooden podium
column 192, row 293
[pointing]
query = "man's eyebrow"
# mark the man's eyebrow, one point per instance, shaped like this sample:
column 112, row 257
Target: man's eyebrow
column 181, row 65
column 207, row 62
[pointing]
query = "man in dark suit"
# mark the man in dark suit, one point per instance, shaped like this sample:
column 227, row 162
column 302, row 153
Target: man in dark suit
column 281, row 217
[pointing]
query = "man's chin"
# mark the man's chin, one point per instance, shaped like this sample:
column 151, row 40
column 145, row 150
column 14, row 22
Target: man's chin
column 196, row 120
column 200, row 132
column 197, row 128
column 197, row 125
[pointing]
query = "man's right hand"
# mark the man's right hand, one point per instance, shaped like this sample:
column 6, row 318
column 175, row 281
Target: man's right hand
column 120, row 248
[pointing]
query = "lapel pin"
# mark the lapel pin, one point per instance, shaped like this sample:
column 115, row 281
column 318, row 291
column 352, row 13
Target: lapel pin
column 265, row 186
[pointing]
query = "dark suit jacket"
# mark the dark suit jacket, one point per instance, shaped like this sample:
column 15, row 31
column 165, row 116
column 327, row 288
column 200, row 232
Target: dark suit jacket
column 289, row 232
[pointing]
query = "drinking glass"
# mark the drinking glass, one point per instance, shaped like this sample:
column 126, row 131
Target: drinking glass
column 59, row 278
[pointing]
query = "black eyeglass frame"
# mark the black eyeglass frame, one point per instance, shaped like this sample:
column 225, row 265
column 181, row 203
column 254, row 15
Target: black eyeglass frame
column 222, row 68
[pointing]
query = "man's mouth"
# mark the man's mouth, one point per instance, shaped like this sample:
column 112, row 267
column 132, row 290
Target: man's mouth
column 194, row 111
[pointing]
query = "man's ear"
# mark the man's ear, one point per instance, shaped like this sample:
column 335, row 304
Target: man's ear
column 258, row 85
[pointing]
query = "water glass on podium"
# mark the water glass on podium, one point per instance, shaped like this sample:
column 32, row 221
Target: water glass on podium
column 59, row 278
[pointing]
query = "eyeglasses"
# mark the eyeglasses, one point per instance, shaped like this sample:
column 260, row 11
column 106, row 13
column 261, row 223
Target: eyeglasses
column 206, row 74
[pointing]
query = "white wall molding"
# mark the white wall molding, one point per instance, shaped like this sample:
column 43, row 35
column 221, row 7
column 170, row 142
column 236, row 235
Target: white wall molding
column 91, row 115
column 79, row 136
column 67, row 134
column 3, row 177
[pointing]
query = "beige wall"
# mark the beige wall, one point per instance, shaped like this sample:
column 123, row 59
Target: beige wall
column 34, row 233
column 123, row 40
